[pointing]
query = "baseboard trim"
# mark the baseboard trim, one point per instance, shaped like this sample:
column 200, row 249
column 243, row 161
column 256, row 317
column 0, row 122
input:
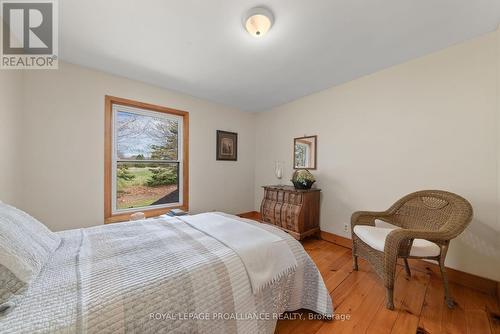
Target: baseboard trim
column 336, row 239
column 250, row 215
column 482, row 284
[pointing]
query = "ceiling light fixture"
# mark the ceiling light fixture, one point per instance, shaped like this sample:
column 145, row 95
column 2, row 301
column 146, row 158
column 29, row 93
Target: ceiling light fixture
column 258, row 21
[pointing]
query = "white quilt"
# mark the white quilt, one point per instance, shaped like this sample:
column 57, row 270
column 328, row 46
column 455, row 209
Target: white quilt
column 158, row 276
column 266, row 256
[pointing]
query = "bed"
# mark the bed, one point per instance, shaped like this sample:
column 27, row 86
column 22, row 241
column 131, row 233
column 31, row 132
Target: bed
column 159, row 276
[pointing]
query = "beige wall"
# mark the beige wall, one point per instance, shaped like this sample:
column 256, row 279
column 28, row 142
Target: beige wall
column 63, row 141
column 11, row 84
column 428, row 123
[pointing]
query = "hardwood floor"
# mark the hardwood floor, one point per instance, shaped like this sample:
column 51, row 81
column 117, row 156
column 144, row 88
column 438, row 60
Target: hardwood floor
column 419, row 301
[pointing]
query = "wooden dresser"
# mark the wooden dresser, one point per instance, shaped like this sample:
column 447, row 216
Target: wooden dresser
column 292, row 210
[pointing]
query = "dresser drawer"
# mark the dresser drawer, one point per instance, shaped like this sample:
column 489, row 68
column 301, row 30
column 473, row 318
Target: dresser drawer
column 290, row 217
column 293, row 198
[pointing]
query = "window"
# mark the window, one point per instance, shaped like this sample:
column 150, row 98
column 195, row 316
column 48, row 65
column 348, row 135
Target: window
column 146, row 157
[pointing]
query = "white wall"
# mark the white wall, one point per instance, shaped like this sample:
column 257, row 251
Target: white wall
column 63, row 145
column 431, row 123
column 11, row 84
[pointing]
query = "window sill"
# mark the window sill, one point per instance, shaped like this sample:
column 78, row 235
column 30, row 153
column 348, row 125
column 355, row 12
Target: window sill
column 124, row 217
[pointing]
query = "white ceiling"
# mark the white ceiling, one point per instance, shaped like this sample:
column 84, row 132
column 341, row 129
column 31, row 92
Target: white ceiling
column 199, row 47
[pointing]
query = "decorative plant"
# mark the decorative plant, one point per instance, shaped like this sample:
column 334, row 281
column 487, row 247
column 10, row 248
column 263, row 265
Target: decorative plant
column 303, row 179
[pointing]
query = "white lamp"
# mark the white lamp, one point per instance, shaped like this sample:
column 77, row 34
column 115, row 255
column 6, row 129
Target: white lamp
column 258, row 21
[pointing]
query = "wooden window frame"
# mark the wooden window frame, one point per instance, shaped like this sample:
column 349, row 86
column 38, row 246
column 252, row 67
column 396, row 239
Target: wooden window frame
column 109, row 217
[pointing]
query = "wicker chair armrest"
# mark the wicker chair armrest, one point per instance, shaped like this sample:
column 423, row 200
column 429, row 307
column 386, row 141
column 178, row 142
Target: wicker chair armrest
column 399, row 239
column 367, row 217
column 400, row 235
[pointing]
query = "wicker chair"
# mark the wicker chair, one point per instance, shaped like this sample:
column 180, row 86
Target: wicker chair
column 432, row 215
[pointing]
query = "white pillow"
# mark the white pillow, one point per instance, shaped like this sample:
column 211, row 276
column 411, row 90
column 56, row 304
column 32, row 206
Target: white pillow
column 25, row 246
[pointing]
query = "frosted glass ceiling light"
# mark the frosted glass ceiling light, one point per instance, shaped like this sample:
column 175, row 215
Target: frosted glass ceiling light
column 258, row 21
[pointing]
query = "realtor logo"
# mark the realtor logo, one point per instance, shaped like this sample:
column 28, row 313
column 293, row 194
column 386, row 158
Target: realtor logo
column 29, row 36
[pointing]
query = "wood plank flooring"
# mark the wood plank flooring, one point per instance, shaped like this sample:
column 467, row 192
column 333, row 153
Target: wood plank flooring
column 419, row 301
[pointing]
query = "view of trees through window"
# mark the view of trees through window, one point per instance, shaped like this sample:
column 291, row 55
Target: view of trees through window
column 147, row 160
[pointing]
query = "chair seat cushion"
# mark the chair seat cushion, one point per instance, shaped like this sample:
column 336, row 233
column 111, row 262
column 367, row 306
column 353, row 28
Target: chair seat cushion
column 375, row 237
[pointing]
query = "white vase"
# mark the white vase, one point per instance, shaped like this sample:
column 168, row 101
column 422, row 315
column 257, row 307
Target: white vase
column 278, row 171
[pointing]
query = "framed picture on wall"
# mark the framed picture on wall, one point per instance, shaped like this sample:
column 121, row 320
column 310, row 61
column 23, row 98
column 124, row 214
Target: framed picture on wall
column 227, row 146
column 305, row 152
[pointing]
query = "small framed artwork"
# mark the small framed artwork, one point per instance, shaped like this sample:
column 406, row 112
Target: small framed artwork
column 305, row 152
column 227, row 146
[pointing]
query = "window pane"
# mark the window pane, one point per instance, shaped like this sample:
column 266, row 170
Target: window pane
column 141, row 185
column 141, row 137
